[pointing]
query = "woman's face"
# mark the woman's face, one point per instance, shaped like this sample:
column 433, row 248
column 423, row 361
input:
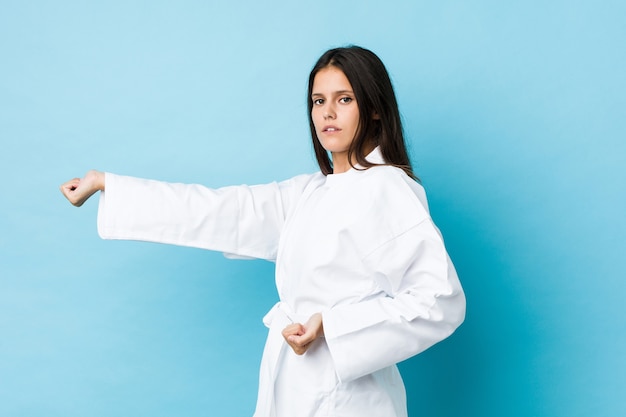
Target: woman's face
column 335, row 114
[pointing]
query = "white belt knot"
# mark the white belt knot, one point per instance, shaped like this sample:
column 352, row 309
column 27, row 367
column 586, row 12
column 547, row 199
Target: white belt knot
column 280, row 316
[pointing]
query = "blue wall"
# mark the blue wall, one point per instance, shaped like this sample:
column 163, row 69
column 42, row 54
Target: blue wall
column 516, row 117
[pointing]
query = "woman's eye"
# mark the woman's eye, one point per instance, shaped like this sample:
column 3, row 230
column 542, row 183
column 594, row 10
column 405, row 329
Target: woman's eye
column 318, row 101
column 345, row 100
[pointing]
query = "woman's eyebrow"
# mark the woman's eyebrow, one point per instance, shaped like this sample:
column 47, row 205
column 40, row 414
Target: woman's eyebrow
column 334, row 93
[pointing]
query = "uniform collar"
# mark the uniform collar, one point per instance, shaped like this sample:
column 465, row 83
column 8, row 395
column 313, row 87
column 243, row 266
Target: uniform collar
column 375, row 157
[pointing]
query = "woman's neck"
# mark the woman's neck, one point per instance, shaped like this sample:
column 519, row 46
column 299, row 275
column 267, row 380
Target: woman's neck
column 340, row 162
column 340, row 159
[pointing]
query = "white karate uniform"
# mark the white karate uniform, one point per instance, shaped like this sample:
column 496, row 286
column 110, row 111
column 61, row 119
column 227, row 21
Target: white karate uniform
column 359, row 247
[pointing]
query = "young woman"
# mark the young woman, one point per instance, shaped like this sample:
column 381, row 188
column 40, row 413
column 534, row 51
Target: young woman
column 362, row 273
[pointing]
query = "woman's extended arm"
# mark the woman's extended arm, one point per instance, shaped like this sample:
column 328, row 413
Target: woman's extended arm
column 78, row 190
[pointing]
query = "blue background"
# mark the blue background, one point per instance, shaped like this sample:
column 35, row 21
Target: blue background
column 515, row 112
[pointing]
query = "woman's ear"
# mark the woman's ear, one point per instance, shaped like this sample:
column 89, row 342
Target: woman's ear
column 375, row 116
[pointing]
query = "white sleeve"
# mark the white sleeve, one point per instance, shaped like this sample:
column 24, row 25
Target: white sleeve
column 241, row 220
column 424, row 304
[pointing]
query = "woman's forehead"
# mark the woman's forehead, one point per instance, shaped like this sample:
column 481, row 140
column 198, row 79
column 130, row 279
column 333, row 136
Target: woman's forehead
column 331, row 80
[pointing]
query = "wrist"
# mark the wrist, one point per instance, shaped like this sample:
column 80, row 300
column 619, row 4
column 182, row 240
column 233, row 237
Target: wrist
column 97, row 180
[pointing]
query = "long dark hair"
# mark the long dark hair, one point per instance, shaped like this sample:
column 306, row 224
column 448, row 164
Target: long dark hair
column 375, row 96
